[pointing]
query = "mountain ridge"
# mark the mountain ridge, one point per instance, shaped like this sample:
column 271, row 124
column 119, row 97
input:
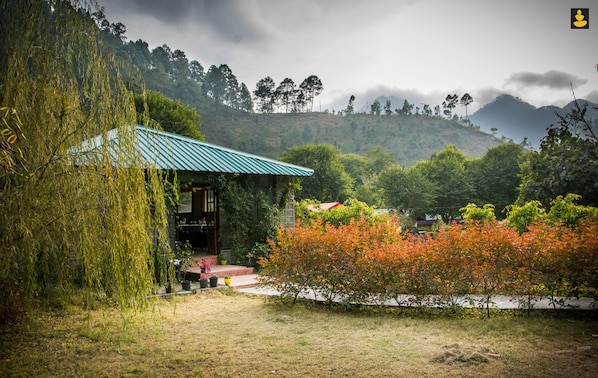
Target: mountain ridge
column 518, row 120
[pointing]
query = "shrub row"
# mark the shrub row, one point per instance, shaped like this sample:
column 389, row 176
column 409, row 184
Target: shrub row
column 373, row 261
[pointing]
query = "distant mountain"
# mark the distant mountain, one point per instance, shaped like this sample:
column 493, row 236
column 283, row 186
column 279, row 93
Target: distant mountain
column 516, row 119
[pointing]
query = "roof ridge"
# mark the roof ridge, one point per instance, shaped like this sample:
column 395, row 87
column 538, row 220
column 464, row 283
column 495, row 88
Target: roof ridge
column 217, row 147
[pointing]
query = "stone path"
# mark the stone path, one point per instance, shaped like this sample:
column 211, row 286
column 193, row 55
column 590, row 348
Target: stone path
column 499, row 301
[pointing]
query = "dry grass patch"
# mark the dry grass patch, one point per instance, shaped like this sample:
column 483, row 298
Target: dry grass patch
column 224, row 334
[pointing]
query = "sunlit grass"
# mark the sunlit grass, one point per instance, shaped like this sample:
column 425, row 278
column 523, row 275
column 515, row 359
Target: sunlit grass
column 224, row 334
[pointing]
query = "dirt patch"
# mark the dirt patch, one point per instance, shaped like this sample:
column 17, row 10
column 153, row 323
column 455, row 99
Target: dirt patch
column 455, row 354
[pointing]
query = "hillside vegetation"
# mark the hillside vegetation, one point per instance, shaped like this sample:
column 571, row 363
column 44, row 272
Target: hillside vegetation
column 409, row 137
column 227, row 107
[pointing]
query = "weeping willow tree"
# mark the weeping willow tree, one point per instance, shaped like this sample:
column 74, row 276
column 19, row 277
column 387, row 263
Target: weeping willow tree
column 70, row 225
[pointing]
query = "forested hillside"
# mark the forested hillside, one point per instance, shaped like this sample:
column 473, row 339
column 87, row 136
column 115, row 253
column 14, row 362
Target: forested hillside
column 267, row 119
column 409, row 137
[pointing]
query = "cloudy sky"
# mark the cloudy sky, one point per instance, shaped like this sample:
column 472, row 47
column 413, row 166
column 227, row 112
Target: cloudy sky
column 420, row 50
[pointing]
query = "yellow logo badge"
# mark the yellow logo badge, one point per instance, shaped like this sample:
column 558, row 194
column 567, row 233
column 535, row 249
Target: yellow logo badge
column 580, row 18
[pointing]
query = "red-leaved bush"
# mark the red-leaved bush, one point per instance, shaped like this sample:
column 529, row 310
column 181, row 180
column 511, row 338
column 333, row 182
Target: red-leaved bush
column 373, row 262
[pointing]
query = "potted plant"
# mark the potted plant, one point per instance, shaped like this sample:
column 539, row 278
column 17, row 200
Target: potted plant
column 227, row 280
column 183, row 254
column 205, row 267
column 248, row 259
column 203, row 283
column 214, row 280
column 221, row 259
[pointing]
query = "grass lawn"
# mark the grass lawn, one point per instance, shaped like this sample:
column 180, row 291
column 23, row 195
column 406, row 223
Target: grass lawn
column 226, row 334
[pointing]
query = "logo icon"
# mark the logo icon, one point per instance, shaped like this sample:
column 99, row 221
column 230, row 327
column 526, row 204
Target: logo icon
column 580, row 18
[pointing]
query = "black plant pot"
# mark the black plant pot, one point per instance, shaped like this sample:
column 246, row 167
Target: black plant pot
column 186, row 285
column 213, row 281
column 203, row 283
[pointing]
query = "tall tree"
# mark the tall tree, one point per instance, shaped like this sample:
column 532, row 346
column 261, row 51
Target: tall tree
column 231, row 90
column 162, row 59
column 300, row 102
column 180, row 66
column 375, row 108
column 159, row 77
column 329, row 182
column 449, row 104
column 407, row 108
column 446, row 169
column 99, row 16
column 245, row 101
column 264, row 92
column 407, row 190
column 312, row 87
column 286, row 92
column 66, row 225
column 140, row 54
column 379, row 159
column 427, row 111
column 215, row 85
column 350, row 107
column 196, row 71
column 356, row 166
column 496, row 176
column 466, row 100
column 387, row 108
column 566, row 163
column 185, row 88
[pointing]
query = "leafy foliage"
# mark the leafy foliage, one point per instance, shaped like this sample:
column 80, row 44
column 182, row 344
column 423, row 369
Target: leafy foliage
column 563, row 210
column 566, row 163
column 473, row 213
column 496, row 175
column 170, row 115
column 350, row 210
column 248, row 211
column 372, row 261
column 446, row 169
column 409, row 138
column 520, row 217
column 329, row 182
column 407, row 190
column 66, row 227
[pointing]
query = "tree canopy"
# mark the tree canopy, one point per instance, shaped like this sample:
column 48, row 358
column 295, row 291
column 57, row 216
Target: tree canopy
column 446, row 170
column 407, row 190
column 566, row 163
column 171, row 115
column 496, row 175
column 68, row 226
column 329, row 182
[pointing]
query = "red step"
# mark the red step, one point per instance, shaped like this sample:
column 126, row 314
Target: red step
column 210, row 260
column 221, row 271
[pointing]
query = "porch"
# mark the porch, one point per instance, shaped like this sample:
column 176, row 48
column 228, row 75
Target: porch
column 241, row 276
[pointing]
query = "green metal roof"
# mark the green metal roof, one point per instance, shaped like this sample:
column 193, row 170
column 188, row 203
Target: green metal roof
column 169, row 151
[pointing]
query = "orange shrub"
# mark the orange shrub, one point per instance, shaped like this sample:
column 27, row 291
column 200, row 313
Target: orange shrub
column 371, row 261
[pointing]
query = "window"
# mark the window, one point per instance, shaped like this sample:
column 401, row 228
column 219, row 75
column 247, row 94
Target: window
column 209, row 203
column 185, row 202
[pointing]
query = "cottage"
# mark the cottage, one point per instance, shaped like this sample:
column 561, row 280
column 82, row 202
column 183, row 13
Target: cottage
column 197, row 218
